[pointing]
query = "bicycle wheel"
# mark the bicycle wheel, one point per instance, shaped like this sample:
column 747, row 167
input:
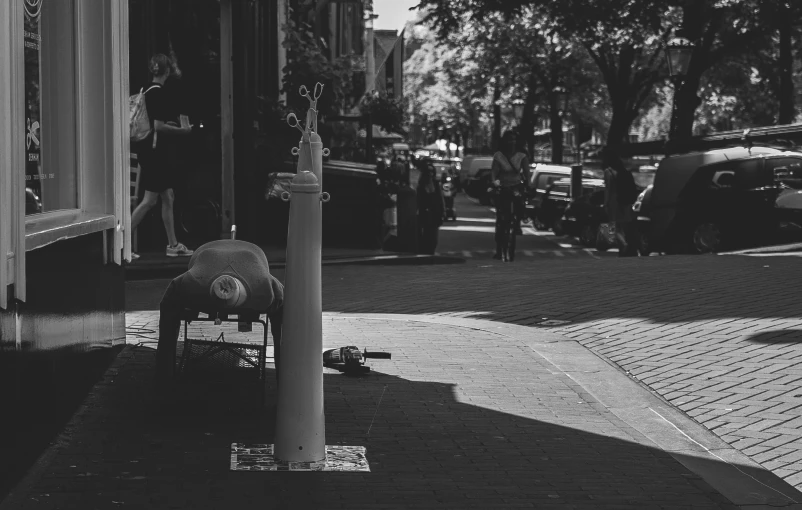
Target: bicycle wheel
column 512, row 224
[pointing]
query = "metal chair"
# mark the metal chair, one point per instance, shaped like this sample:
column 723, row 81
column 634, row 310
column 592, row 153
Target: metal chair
column 221, row 352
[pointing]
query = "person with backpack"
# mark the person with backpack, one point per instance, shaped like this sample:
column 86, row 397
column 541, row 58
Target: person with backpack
column 158, row 176
column 620, row 193
column 508, row 172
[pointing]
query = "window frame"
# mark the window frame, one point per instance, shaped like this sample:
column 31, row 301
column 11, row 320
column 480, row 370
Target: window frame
column 102, row 166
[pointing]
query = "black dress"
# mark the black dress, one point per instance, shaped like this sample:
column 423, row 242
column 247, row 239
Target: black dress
column 157, row 174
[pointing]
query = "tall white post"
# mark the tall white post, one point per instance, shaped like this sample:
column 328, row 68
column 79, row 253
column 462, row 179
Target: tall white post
column 300, row 421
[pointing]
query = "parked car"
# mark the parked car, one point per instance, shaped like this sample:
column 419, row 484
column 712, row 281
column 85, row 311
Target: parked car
column 726, row 198
column 474, row 176
column 549, row 211
column 583, row 216
column 726, row 206
column 542, row 175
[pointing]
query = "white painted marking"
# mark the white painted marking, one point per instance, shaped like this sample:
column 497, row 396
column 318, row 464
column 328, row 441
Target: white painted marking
column 559, row 253
column 528, row 253
column 563, row 245
column 468, row 228
column 466, row 253
column 476, row 220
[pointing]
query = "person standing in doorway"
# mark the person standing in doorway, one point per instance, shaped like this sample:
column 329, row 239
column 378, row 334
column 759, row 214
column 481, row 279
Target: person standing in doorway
column 158, row 177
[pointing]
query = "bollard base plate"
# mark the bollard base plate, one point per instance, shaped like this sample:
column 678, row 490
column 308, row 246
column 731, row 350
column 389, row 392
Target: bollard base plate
column 259, row 457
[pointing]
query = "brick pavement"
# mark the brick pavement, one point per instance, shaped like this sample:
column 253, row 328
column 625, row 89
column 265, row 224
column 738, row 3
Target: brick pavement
column 719, row 337
column 459, row 418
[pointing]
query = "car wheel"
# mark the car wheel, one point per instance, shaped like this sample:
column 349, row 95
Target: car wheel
column 557, row 227
column 588, row 235
column 707, row 237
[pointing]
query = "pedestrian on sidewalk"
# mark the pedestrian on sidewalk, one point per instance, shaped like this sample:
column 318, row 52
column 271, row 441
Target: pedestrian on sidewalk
column 620, row 193
column 158, row 176
column 510, row 169
column 431, row 207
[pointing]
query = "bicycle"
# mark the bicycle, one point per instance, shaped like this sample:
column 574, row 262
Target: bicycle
column 506, row 200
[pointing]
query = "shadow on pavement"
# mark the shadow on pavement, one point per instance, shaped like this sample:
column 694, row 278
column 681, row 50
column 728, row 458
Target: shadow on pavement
column 778, row 337
column 426, row 449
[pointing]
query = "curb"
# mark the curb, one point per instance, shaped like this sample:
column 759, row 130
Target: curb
column 172, row 269
column 780, row 248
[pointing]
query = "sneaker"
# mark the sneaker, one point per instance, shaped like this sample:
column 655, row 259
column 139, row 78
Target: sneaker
column 134, row 256
column 179, row 250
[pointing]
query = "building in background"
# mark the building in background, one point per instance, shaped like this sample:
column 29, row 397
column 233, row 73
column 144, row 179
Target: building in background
column 388, row 49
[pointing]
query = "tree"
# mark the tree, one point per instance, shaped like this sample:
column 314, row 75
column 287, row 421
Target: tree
column 445, row 86
column 625, row 38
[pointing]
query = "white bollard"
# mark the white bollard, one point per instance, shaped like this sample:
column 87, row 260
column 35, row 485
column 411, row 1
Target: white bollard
column 300, row 421
column 300, row 436
column 317, row 151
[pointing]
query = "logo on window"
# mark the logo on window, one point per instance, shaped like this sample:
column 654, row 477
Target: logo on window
column 32, row 135
column 33, row 7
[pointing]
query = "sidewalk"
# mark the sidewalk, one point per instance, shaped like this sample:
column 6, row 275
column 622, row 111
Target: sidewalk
column 159, row 265
column 468, row 413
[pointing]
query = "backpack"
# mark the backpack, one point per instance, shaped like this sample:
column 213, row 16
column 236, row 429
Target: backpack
column 139, row 123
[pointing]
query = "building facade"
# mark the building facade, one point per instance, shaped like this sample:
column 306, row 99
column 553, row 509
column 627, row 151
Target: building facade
column 63, row 202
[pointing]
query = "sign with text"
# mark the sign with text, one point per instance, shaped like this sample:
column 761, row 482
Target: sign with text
column 34, row 174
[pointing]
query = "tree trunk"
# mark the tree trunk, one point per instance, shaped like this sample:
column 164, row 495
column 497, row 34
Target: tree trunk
column 687, row 102
column 556, row 123
column 787, row 112
column 528, row 118
column 694, row 16
column 496, row 118
column 619, row 125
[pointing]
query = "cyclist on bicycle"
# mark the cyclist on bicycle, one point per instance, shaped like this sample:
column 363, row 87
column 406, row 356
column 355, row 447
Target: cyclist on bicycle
column 510, row 170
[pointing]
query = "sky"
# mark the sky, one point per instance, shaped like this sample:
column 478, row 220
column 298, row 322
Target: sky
column 393, row 14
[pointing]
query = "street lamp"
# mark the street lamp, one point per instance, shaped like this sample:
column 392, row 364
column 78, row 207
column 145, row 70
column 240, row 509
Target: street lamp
column 678, row 56
column 518, row 109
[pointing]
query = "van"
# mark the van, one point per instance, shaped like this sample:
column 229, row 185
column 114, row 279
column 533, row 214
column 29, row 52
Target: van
column 671, row 178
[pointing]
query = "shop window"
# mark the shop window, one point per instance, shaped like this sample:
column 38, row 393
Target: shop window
column 50, row 117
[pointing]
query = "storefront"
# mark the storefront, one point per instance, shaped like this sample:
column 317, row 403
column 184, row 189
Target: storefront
column 63, row 194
